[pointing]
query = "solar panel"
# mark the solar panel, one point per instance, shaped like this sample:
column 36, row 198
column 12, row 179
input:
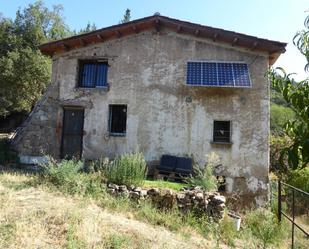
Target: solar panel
column 221, row 74
column 225, row 74
column 209, row 75
column 241, row 74
column 194, row 73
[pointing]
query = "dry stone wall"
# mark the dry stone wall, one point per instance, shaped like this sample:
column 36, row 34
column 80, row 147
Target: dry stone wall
column 188, row 199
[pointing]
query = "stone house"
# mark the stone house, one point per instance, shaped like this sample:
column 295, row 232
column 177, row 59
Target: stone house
column 163, row 86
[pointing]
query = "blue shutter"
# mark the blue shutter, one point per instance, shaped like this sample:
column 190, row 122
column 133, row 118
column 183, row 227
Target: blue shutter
column 101, row 79
column 88, row 75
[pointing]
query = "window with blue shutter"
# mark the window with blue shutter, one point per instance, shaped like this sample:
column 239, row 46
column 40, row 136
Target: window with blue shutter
column 218, row 74
column 93, row 74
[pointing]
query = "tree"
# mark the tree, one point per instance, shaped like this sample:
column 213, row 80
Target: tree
column 89, row 28
column 24, row 71
column 296, row 95
column 126, row 17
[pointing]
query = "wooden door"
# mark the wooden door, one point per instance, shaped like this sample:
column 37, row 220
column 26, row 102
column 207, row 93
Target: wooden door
column 72, row 132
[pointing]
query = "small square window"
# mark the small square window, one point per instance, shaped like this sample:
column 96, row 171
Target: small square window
column 222, row 131
column 117, row 120
column 92, row 74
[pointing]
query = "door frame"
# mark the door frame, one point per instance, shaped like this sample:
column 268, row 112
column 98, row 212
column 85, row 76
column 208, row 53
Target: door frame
column 69, row 107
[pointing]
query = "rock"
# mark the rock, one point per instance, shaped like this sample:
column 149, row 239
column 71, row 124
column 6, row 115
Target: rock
column 189, row 192
column 199, row 196
column 197, row 188
column 131, row 187
column 123, row 188
column 134, row 195
column 113, row 186
column 169, row 192
column 137, row 189
column 180, row 196
column 153, row 191
column 143, row 193
column 218, row 199
column 220, row 207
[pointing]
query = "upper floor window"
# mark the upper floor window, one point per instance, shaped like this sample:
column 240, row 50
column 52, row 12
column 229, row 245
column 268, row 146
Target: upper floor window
column 222, row 132
column 218, row 74
column 93, row 73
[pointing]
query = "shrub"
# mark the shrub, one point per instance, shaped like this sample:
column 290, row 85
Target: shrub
column 68, row 177
column 263, row 225
column 127, row 169
column 204, row 177
column 300, row 179
column 277, row 145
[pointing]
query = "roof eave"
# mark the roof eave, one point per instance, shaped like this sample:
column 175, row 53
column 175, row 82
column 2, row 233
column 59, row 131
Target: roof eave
column 273, row 48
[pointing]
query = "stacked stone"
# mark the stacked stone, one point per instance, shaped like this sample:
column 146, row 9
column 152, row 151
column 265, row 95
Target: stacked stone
column 188, row 199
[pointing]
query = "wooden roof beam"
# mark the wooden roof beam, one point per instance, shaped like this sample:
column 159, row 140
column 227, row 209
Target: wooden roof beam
column 135, row 29
column 235, row 40
column 254, row 45
column 157, row 24
column 100, row 37
column 215, row 37
column 118, row 33
column 66, row 47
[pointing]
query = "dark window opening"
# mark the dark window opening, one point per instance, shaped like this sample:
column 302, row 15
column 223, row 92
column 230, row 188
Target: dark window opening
column 93, row 74
column 117, row 120
column 222, row 131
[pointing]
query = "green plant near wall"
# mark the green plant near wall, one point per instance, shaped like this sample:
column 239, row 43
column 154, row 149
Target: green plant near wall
column 127, row 169
column 204, row 177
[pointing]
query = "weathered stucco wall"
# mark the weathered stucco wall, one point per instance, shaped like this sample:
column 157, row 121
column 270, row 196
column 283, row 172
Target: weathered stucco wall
column 148, row 73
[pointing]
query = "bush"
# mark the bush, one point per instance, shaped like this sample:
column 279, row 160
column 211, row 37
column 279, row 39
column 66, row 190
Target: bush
column 67, row 175
column 279, row 115
column 204, row 177
column 300, row 179
column 277, row 145
column 263, row 225
column 127, row 169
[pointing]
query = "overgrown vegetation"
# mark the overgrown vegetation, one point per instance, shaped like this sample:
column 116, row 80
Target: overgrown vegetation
column 296, row 96
column 128, row 169
column 68, row 177
column 204, row 176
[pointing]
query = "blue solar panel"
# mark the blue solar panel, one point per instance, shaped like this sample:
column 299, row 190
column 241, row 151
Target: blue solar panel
column 209, row 75
column 225, row 74
column 218, row 74
column 194, row 73
column 241, row 74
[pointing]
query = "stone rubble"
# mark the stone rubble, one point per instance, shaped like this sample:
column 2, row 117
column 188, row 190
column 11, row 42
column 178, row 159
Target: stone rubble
column 187, row 199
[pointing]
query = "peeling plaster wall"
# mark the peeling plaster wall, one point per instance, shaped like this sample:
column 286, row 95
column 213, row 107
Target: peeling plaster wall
column 148, row 73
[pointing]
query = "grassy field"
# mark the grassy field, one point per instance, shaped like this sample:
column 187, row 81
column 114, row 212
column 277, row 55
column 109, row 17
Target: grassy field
column 35, row 213
column 163, row 184
column 39, row 216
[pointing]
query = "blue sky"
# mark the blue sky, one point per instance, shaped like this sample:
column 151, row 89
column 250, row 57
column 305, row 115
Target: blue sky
column 271, row 19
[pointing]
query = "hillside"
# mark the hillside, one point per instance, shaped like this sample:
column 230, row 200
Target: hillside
column 33, row 217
